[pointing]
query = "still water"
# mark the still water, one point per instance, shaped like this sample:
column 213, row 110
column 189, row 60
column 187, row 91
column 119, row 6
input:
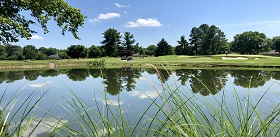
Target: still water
column 132, row 89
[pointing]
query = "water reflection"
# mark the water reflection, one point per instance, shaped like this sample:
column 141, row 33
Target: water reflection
column 203, row 81
column 255, row 78
column 208, row 81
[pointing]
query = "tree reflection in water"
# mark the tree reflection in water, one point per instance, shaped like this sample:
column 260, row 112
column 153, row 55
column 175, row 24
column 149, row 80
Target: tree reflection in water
column 203, row 81
column 252, row 78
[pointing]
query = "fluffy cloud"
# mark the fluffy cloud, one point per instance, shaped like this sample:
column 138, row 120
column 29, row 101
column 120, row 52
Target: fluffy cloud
column 149, row 22
column 112, row 102
column 39, row 85
column 109, row 102
column 121, row 6
column 106, row 16
column 143, row 95
column 36, row 37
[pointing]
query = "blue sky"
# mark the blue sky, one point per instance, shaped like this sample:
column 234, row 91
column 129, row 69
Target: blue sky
column 151, row 20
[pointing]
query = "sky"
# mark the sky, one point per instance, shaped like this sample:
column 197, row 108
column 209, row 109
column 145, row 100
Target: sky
column 151, row 20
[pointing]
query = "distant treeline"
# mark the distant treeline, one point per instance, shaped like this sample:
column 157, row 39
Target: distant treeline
column 204, row 40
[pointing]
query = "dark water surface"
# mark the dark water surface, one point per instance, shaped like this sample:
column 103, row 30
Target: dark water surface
column 130, row 88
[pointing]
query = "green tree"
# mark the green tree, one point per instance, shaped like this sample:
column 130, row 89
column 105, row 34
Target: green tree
column 111, row 42
column 151, row 50
column 163, row 48
column 63, row 54
column 129, row 76
column 14, row 25
column 31, row 75
column 3, row 53
column 208, row 81
column 250, row 78
column 48, row 51
column 182, row 48
column 276, row 43
column 94, row 52
column 14, row 52
column 184, row 75
column 77, row 51
column 12, row 76
column 208, row 40
column 30, row 52
column 128, row 41
column 112, row 80
column 78, row 74
column 195, row 40
column 41, row 56
column 217, row 40
column 137, row 48
column 250, row 43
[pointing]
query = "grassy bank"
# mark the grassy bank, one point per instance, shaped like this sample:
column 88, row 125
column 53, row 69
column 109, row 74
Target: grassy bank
column 232, row 60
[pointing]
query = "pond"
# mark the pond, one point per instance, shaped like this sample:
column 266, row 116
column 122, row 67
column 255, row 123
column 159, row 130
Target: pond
column 139, row 102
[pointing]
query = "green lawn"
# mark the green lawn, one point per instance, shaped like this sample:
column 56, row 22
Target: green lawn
column 232, row 60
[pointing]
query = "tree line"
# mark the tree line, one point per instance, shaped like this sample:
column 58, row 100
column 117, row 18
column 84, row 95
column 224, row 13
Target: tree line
column 204, row 40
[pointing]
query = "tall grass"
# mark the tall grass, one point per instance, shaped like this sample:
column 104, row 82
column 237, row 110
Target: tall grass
column 175, row 112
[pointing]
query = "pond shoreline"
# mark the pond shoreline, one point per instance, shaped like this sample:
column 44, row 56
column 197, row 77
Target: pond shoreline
column 159, row 65
column 172, row 61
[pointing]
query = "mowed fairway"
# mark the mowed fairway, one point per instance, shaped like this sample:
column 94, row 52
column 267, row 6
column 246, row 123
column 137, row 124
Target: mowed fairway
column 232, row 60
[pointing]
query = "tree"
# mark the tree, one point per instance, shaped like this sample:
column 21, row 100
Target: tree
column 48, row 51
column 128, row 41
column 163, row 48
column 77, row 51
column 14, row 52
column 111, row 42
column 137, row 48
column 250, row 43
column 13, row 25
column 276, row 43
column 208, row 81
column 195, row 40
column 63, row 54
column 94, row 52
column 208, row 40
column 182, row 48
column 3, row 53
column 30, row 52
column 78, row 74
column 217, row 40
column 41, row 56
column 112, row 80
column 151, row 50
column 250, row 79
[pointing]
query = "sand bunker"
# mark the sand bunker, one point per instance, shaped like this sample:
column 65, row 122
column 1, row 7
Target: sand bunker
column 237, row 58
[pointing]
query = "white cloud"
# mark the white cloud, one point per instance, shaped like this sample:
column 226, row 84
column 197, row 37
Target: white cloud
column 47, row 125
column 39, row 85
column 149, row 22
column 106, row 16
column 121, row 6
column 92, row 20
column 143, row 95
column 112, row 102
column 36, row 37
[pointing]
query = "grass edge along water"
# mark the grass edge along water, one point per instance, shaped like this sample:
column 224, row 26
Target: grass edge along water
column 184, row 115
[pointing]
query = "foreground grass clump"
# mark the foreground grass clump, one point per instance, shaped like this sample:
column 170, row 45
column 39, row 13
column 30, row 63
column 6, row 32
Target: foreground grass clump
column 174, row 112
